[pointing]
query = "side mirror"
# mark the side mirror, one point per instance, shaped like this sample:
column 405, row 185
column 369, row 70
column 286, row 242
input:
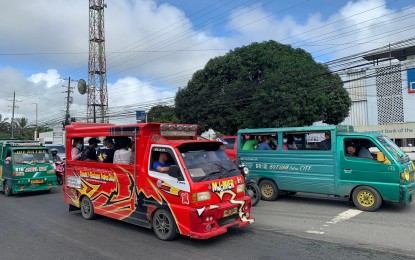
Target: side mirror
column 380, row 157
column 173, row 171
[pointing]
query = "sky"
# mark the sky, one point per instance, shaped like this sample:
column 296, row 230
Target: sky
column 153, row 47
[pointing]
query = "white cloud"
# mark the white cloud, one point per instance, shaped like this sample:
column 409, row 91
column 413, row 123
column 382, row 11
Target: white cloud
column 146, row 46
column 356, row 27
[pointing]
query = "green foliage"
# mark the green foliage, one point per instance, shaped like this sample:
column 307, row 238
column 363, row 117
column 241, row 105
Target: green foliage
column 162, row 114
column 21, row 129
column 264, row 84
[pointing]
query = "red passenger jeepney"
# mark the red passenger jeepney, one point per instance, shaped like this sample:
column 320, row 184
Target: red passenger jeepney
column 200, row 196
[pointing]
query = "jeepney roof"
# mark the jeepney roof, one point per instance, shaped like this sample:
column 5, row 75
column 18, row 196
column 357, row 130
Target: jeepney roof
column 338, row 128
column 18, row 144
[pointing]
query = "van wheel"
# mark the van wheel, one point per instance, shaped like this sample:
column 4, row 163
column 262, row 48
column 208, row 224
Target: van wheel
column 366, row 198
column 164, row 225
column 7, row 189
column 269, row 190
column 87, row 209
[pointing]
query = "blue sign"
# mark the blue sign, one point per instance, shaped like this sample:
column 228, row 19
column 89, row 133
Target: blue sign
column 140, row 116
column 411, row 80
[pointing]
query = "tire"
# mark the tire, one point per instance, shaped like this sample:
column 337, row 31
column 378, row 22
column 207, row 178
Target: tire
column 366, row 198
column 59, row 179
column 7, row 189
column 253, row 191
column 87, row 208
column 164, row 225
column 269, row 190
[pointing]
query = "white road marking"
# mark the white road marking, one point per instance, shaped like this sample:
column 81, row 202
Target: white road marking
column 314, row 232
column 346, row 215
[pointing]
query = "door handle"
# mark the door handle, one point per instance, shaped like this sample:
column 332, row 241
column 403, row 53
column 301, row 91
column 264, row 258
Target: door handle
column 347, row 170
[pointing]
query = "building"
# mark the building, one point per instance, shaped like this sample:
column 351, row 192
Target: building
column 381, row 84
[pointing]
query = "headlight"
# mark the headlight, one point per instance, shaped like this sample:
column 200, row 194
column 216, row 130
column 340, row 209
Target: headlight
column 240, row 188
column 201, row 196
column 246, row 170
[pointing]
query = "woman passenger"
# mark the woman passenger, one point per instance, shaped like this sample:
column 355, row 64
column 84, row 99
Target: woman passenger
column 76, row 152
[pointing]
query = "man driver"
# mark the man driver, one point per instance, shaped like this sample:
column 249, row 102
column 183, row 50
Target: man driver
column 350, row 149
column 162, row 165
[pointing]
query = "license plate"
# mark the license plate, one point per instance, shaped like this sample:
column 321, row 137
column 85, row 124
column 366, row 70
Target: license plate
column 230, row 212
column 36, row 181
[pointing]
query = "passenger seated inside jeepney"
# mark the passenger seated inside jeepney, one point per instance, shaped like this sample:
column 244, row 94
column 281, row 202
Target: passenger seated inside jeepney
column 250, row 143
column 265, row 144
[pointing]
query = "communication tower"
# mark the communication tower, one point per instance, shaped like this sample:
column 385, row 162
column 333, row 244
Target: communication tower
column 97, row 80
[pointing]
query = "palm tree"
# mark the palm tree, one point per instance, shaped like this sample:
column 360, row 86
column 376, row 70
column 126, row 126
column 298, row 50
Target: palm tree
column 4, row 127
column 21, row 126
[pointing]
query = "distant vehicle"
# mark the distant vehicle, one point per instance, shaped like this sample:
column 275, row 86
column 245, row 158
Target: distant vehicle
column 24, row 167
column 61, row 150
column 230, row 146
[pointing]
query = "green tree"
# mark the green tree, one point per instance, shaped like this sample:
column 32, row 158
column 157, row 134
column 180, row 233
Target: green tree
column 22, row 130
column 4, row 127
column 264, row 84
column 162, row 114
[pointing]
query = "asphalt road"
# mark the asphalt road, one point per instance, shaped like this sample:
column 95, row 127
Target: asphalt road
column 39, row 226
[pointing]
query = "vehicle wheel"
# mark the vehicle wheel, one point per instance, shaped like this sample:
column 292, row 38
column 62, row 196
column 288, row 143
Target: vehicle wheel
column 7, row 189
column 366, row 198
column 269, row 190
column 59, row 179
column 164, row 225
column 252, row 190
column 87, row 209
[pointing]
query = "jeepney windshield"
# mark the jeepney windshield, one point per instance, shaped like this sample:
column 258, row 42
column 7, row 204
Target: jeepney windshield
column 30, row 156
column 394, row 150
column 207, row 162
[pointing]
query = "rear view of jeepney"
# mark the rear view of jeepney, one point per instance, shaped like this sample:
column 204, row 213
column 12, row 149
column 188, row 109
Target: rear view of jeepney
column 25, row 167
column 218, row 199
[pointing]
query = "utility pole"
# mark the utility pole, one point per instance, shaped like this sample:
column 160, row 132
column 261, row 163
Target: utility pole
column 13, row 107
column 35, row 137
column 68, row 102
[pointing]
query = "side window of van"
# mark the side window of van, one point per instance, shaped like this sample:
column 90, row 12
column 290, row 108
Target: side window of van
column 161, row 159
column 260, row 141
column 360, row 148
column 310, row 140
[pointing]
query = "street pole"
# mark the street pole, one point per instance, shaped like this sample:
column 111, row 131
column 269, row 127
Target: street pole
column 14, row 101
column 35, row 137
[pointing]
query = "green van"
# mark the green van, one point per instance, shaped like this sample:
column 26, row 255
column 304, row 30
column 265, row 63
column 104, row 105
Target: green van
column 368, row 168
column 25, row 166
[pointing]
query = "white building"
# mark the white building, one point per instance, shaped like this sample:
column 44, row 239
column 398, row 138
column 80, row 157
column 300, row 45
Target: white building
column 381, row 84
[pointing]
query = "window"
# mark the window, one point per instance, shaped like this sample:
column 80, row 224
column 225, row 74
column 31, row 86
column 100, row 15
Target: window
column 163, row 157
column 310, row 140
column 230, row 142
column 260, row 141
column 360, row 148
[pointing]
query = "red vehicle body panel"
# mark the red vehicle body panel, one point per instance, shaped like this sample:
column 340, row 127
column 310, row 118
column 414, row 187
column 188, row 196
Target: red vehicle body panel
column 133, row 192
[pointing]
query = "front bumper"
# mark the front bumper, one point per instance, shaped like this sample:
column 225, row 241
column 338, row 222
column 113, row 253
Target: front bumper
column 214, row 220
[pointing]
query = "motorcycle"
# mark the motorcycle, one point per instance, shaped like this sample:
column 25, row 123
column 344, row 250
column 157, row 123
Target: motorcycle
column 60, row 171
column 251, row 188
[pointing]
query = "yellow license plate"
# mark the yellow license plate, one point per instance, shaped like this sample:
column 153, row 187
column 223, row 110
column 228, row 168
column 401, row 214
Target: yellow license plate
column 36, row 181
column 230, row 212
